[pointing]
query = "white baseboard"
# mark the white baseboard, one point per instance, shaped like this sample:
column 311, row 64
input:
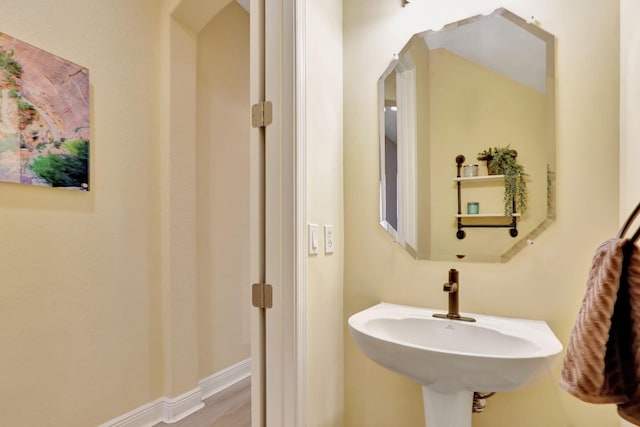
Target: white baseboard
column 170, row 410
column 225, row 378
column 182, row 406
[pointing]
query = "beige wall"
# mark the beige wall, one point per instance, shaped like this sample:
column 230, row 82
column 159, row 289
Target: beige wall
column 544, row 281
column 324, row 206
column 76, row 294
column 107, row 299
column 223, row 190
column 629, row 107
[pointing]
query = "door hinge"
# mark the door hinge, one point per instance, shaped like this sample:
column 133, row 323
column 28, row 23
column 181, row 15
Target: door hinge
column 261, row 114
column 262, row 295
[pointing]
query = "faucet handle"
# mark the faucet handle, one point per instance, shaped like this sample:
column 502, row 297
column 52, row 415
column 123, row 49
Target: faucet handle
column 450, row 287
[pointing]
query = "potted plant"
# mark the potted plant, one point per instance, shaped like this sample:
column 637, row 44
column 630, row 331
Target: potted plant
column 503, row 161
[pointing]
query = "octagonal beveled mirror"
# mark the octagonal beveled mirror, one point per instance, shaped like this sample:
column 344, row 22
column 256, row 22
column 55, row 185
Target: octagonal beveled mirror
column 482, row 82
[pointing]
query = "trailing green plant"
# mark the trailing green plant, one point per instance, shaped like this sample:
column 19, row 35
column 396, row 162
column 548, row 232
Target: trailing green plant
column 65, row 170
column 503, row 161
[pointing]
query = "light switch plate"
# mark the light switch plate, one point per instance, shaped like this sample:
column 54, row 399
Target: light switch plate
column 313, row 237
column 329, row 244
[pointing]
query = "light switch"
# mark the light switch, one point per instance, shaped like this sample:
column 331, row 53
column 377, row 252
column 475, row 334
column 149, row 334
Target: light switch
column 313, row 239
column 328, row 239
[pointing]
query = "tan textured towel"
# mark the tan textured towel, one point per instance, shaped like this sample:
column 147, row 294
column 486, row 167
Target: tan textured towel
column 602, row 363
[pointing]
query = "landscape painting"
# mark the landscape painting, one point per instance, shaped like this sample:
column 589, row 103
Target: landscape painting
column 44, row 118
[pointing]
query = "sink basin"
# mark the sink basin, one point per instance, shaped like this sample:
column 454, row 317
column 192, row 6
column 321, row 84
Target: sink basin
column 452, row 359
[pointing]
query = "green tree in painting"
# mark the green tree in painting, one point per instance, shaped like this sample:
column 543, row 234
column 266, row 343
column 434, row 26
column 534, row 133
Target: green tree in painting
column 7, row 62
column 65, row 170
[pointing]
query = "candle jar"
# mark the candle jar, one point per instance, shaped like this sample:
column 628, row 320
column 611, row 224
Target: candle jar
column 473, row 208
column 470, row 170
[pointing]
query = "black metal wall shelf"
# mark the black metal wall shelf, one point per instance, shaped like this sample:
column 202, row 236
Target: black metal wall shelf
column 461, row 234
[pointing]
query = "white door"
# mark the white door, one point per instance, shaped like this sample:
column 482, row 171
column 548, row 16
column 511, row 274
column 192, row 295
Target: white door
column 277, row 392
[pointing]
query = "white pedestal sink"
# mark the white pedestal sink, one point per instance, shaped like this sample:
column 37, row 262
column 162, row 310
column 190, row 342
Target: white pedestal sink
column 452, row 359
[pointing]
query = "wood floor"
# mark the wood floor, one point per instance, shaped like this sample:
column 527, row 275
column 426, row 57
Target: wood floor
column 230, row 408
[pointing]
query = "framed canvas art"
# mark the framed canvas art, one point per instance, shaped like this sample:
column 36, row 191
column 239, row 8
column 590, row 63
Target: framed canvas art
column 44, row 117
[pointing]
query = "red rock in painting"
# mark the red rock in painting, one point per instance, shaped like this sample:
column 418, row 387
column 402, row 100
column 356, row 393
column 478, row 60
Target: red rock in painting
column 45, row 102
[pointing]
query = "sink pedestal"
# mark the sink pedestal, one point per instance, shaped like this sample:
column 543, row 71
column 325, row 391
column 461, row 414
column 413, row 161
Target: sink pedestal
column 450, row 409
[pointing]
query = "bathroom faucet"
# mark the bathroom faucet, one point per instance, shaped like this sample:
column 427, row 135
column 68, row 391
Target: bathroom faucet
column 451, row 288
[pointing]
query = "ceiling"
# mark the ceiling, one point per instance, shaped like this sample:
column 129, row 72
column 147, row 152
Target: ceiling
column 244, row 4
column 499, row 44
